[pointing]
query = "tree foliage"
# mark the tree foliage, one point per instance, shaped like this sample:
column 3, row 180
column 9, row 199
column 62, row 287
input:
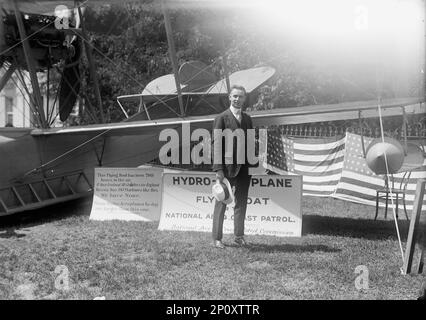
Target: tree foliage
column 130, row 49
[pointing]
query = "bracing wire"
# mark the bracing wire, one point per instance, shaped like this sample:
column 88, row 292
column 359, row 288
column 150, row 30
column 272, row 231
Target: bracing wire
column 26, row 101
column 388, row 180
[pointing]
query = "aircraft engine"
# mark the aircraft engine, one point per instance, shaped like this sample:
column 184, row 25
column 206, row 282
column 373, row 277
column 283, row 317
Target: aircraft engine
column 49, row 47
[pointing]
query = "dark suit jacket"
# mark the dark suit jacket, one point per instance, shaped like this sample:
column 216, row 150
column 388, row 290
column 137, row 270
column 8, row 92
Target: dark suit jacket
column 226, row 120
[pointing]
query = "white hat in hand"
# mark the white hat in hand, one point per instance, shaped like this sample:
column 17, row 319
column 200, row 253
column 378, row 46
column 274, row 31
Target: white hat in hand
column 223, row 191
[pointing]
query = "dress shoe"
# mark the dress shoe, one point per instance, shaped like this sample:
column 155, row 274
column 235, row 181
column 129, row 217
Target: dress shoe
column 240, row 241
column 219, row 244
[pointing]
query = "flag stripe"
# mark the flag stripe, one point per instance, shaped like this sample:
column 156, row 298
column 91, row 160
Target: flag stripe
column 325, row 195
column 320, row 183
column 324, row 163
column 372, row 181
column 326, row 188
column 319, row 169
column 316, row 147
column 361, row 196
column 324, row 151
column 317, row 174
column 316, row 192
column 416, row 173
column 319, row 157
column 321, row 179
column 369, row 188
column 356, row 188
column 409, row 189
column 361, row 199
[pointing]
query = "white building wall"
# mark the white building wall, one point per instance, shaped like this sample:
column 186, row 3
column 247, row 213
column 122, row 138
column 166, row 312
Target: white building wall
column 19, row 108
column 22, row 114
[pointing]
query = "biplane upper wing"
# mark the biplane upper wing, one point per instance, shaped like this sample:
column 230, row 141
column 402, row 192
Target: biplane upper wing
column 202, row 86
column 250, row 79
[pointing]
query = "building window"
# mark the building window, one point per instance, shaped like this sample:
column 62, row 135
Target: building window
column 9, row 111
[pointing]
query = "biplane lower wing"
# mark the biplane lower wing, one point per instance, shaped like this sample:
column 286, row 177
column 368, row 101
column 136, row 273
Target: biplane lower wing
column 305, row 114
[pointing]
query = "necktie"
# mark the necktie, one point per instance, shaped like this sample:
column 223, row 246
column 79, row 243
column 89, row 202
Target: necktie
column 238, row 115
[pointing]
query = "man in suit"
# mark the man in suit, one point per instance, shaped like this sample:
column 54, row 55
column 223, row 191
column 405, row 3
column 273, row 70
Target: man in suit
column 232, row 164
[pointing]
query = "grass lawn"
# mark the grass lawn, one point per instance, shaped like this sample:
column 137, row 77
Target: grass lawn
column 133, row 260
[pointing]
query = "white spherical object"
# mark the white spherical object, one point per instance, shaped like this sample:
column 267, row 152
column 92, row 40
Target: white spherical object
column 379, row 153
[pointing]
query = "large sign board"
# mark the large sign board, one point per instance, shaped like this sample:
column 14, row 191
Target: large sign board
column 273, row 204
column 127, row 194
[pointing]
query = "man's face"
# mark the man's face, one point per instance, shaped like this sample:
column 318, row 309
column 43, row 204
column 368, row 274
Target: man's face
column 237, row 98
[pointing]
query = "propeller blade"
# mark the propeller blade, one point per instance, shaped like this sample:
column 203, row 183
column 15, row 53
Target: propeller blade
column 68, row 92
column 70, row 84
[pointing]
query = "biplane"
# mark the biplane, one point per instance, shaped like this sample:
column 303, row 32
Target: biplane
column 42, row 166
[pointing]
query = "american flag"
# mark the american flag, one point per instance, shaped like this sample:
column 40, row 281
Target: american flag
column 319, row 161
column 336, row 167
column 358, row 183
